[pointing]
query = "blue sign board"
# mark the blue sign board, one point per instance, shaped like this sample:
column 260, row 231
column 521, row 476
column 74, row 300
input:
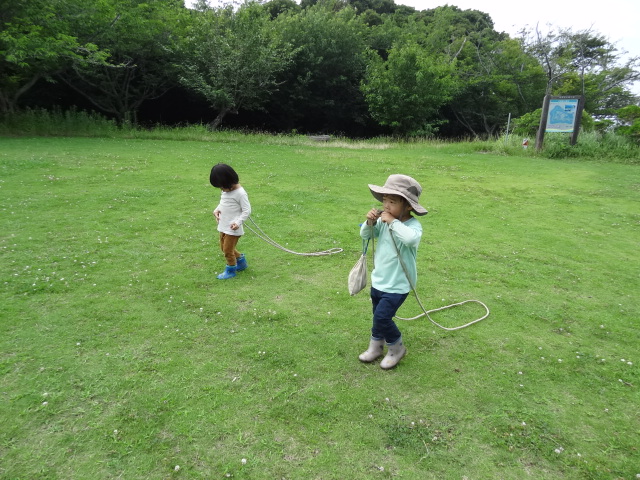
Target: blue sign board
column 562, row 115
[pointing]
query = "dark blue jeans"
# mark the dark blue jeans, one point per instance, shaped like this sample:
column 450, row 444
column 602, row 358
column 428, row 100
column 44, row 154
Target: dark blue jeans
column 385, row 306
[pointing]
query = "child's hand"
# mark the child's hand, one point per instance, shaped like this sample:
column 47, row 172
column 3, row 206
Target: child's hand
column 216, row 215
column 234, row 226
column 372, row 216
column 387, row 217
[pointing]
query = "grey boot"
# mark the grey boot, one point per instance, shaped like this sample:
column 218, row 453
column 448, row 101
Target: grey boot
column 395, row 353
column 373, row 352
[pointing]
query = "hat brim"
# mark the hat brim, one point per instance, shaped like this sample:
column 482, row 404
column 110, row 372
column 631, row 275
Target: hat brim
column 379, row 192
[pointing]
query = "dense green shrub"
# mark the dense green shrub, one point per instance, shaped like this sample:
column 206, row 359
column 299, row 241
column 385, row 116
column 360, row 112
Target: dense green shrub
column 527, row 125
column 630, row 118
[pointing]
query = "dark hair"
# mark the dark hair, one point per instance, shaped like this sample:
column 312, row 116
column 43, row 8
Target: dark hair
column 223, row 176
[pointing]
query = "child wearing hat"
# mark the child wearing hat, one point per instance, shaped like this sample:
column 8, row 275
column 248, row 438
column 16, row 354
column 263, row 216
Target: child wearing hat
column 232, row 211
column 390, row 284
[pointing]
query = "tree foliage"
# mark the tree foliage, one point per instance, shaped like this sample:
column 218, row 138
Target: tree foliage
column 232, row 58
column 496, row 79
column 37, row 40
column 350, row 66
column 629, row 117
column 139, row 36
column 406, row 91
column 320, row 88
column 584, row 63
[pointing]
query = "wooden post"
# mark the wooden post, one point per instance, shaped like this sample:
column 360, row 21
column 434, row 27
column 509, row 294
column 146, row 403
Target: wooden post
column 576, row 125
column 543, row 122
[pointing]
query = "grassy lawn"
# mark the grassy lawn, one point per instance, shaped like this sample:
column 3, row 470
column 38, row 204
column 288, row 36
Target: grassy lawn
column 122, row 356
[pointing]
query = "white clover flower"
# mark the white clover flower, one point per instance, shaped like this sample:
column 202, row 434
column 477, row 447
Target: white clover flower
column 176, row 468
column 244, row 461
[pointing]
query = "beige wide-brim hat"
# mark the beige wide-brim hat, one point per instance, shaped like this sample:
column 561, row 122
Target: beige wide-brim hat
column 404, row 186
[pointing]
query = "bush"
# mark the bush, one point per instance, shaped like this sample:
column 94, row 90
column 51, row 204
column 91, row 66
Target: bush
column 527, row 125
column 596, row 145
column 630, row 118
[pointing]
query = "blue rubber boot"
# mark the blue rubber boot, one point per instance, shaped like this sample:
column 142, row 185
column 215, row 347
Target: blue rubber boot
column 229, row 272
column 242, row 263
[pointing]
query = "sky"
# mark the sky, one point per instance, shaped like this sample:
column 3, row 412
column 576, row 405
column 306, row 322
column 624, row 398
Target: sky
column 618, row 20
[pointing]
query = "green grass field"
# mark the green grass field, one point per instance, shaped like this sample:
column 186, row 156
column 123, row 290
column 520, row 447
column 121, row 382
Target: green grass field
column 122, row 356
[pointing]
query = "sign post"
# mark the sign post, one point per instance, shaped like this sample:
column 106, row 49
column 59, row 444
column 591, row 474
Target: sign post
column 561, row 115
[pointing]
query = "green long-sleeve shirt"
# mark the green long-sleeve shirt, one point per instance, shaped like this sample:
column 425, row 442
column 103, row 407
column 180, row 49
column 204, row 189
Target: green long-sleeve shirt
column 388, row 274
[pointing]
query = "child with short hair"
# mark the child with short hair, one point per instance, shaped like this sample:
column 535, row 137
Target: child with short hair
column 232, row 211
column 390, row 284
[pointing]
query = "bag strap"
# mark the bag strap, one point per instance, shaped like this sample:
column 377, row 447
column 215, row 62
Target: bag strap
column 373, row 246
column 365, row 246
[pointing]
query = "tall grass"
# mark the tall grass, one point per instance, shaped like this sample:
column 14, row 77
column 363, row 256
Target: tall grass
column 42, row 122
column 607, row 147
column 599, row 146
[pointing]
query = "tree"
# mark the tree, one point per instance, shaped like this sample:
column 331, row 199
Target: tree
column 584, row 63
column 629, row 117
column 232, row 58
column 498, row 79
column 378, row 6
column 37, row 40
column 140, row 36
column 406, row 91
column 449, row 30
column 277, row 7
column 319, row 90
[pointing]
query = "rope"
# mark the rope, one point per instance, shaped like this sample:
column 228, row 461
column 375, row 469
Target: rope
column 427, row 312
column 424, row 310
column 260, row 234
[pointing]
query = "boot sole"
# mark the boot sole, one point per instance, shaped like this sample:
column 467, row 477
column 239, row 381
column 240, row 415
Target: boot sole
column 369, row 361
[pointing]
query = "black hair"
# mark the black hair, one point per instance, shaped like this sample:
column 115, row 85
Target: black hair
column 223, row 176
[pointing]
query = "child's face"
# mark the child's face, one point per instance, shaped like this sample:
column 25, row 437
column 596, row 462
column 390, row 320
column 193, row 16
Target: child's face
column 396, row 206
